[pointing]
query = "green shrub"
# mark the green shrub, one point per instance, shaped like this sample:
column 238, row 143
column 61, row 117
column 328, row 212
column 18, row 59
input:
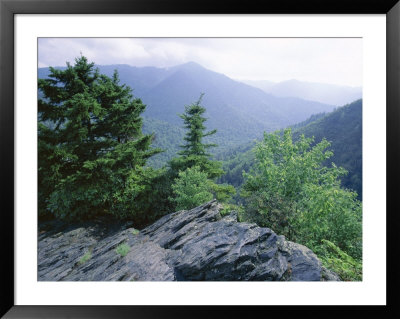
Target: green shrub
column 85, row 257
column 291, row 191
column 333, row 258
column 191, row 189
column 222, row 192
column 330, row 213
column 228, row 208
column 123, row 249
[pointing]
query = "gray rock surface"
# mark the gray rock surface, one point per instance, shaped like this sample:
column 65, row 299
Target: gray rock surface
column 186, row 246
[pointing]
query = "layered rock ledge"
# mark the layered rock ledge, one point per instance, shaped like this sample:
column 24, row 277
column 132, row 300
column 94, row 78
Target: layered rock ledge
column 183, row 246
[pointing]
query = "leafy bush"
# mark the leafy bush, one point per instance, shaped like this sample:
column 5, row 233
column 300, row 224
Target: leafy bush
column 222, row 192
column 292, row 192
column 191, row 189
column 228, row 208
column 330, row 213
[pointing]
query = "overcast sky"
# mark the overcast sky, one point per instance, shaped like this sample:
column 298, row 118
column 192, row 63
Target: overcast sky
column 325, row 60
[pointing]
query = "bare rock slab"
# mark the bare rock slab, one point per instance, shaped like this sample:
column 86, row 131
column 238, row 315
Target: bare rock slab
column 189, row 245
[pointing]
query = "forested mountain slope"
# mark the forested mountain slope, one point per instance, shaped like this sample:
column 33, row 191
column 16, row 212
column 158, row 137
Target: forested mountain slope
column 342, row 128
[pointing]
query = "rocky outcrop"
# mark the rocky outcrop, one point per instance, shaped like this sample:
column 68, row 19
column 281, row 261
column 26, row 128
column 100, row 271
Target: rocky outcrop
column 186, row 246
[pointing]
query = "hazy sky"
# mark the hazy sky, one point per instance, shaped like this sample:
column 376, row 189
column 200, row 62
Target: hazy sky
column 326, row 60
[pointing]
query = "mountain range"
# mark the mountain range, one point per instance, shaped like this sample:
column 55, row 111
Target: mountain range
column 240, row 112
column 320, row 92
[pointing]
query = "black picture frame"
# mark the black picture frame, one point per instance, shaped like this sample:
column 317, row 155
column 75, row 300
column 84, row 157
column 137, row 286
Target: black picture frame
column 8, row 8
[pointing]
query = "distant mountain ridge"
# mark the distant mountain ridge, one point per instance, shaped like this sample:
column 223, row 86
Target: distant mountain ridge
column 183, row 84
column 238, row 111
column 320, row 92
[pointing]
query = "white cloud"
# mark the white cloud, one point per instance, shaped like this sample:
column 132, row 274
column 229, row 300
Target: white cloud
column 329, row 60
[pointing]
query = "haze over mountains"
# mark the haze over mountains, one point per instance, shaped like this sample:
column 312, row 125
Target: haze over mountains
column 320, row 92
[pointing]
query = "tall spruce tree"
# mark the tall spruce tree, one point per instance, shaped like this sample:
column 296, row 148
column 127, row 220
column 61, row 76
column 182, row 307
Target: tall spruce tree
column 91, row 150
column 194, row 151
column 194, row 169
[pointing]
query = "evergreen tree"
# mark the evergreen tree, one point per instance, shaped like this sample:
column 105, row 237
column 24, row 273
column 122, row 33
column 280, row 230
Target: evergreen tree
column 91, row 148
column 193, row 171
column 194, row 151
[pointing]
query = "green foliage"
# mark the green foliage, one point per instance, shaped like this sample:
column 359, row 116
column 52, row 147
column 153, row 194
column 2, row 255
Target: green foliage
column 222, row 192
column 123, row 249
column 291, row 191
column 156, row 198
column 236, row 162
column 166, row 137
column 135, row 232
column 227, row 208
column 338, row 261
column 91, row 148
column 85, row 257
column 343, row 128
column 194, row 151
column 181, row 163
column 193, row 169
column 333, row 213
column 191, row 189
column 194, row 123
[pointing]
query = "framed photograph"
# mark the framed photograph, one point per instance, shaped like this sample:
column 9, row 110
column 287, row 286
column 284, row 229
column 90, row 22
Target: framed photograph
column 159, row 154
